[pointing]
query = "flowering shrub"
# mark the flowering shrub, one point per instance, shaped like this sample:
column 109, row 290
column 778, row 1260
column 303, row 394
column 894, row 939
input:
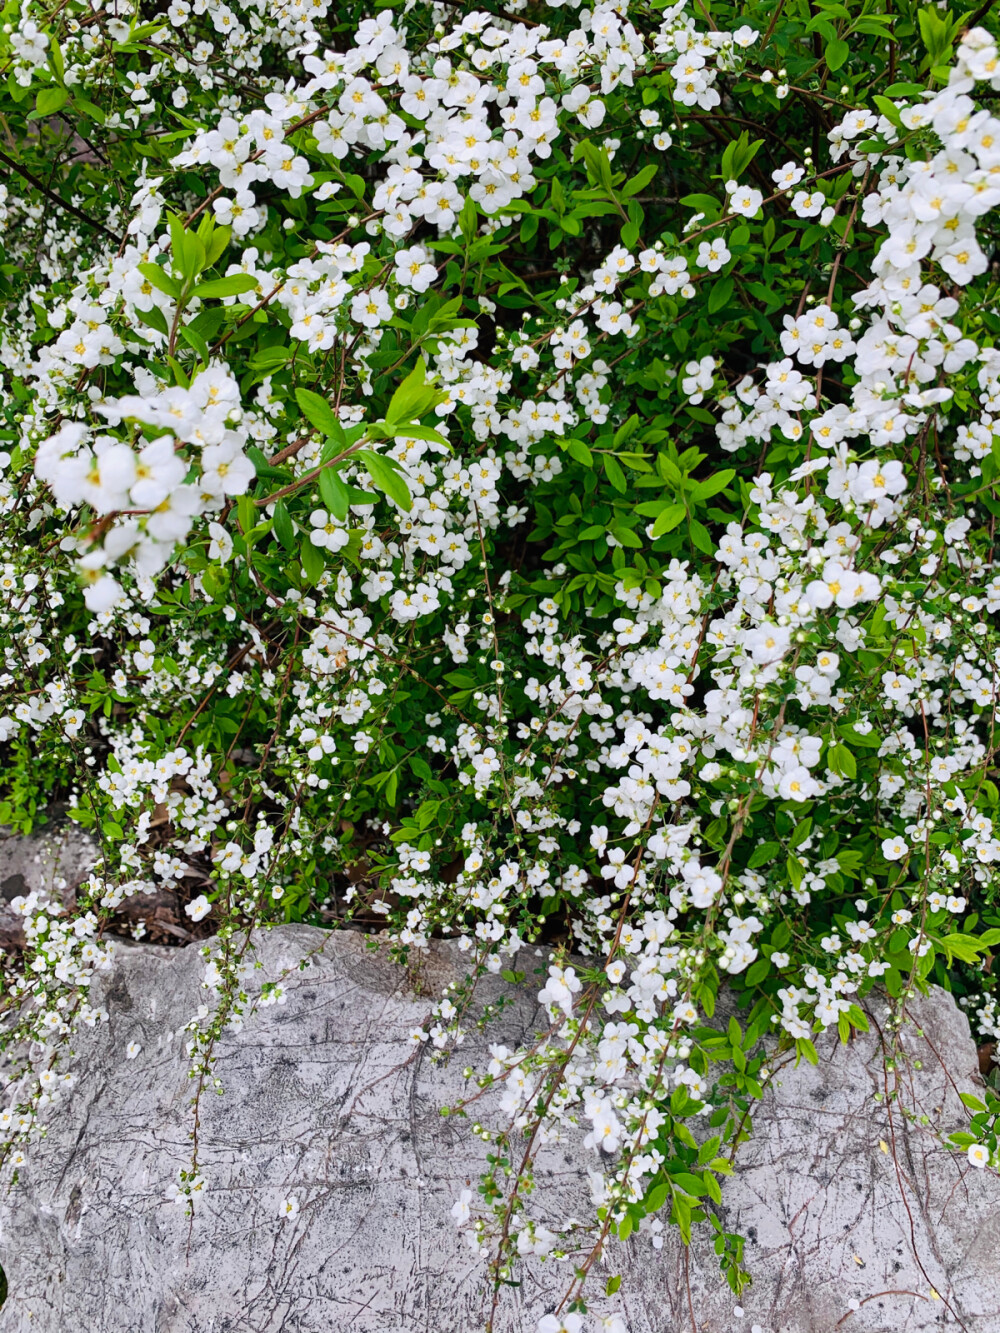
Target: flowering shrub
column 522, row 476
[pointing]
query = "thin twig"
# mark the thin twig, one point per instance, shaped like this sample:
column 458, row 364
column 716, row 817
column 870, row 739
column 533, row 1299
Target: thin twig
column 58, row 199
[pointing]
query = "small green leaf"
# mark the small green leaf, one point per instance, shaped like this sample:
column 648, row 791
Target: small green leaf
column 312, row 561
column 806, row 1050
column 614, row 473
column 161, row 280
column 757, row 971
column 231, row 286
column 216, row 244
column 50, row 100
column 767, row 851
column 283, row 529
column 719, row 294
column 413, row 430
column 334, row 493
column 641, row 180
column 842, row 761
column 701, row 537
column 837, row 52
column 578, row 450
column 712, row 485
column 386, row 478
column 972, row 1102
column 626, row 430
column 411, row 400
column 668, row 520
column 317, row 411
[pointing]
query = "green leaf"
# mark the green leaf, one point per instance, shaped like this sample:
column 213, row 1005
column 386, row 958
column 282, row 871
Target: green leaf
column 701, row 537
column 806, row 1050
column 413, row 430
column 966, row 948
column 757, row 971
column 270, row 358
column 283, row 529
column 668, row 520
column 50, row 100
column 708, row 1150
column 578, row 450
column 615, row 474
column 712, row 485
column 767, row 851
column 412, row 399
column 689, row 1183
column 598, row 165
column 231, row 286
column 216, row 244
column 386, row 478
column 631, row 230
column 161, row 280
column 154, row 319
column 55, row 58
column 837, row 52
column 313, row 563
column 468, row 220
column 317, row 411
column 88, row 108
column 187, row 250
column 626, row 430
column 195, row 341
column 719, row 293
column 334, row 493
column 842, row 761
column 641, row 180
column 890, row 110
column 246, row 512
column 857, row 1018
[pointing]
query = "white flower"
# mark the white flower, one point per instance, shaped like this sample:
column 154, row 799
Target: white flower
column 327, row 532
column 894, row 849
column 978, row 1154
column 221, row 546
column 413, row 269
column 712, row 255
column 745, row 200
column 567, row 1323
column 199, row 908
column 461, row 1211
column 371, row 308
column 289, row 1209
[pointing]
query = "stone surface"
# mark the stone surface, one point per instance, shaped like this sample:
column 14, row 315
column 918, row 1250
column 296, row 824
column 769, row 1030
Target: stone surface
column 325, row 1102
column 56, row 859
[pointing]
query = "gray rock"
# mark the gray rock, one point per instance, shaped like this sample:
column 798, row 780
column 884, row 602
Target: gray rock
column 325, row 1101
column 57, row 859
